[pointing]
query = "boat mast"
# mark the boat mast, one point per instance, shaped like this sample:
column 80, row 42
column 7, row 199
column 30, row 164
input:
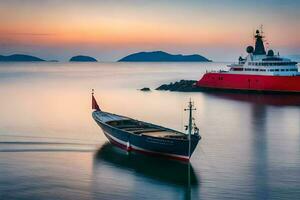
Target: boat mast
column 190, row 126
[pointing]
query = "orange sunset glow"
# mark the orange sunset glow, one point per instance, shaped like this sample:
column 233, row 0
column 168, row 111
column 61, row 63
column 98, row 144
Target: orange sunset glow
column 123, row 27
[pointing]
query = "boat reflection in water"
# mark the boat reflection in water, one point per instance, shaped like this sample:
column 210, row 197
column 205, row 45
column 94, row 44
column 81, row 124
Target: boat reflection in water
column 164, row 173
column 165, row 170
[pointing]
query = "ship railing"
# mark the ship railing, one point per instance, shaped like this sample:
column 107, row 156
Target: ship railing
column 271, row 63
column 216, row 71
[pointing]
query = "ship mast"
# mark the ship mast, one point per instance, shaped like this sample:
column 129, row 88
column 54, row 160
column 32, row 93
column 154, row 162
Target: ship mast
column 190, row 126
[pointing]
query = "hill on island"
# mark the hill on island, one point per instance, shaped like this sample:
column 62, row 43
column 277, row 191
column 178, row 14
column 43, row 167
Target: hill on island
column 81, row 58
column 160, row 56
column 20, row 58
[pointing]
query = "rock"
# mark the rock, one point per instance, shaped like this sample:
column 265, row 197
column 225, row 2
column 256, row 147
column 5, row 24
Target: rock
column 181, row 86
column 145, row 89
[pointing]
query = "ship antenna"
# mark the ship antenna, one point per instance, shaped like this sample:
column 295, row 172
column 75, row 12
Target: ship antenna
column 261, row 30
column 190, row 126
column 253, row 36
column 267, row 44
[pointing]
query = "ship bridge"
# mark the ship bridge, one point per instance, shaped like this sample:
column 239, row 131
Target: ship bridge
column 261, row 63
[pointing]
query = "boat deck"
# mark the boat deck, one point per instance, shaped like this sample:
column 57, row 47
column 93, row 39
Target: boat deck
column 142, row 128
column 159, row 133
column 137, row 127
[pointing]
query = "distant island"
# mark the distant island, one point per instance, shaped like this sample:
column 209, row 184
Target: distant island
column 160, row 56
column 20, row 58
column 81, row 58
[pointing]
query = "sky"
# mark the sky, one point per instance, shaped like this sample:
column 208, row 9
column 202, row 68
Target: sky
column 109, row 29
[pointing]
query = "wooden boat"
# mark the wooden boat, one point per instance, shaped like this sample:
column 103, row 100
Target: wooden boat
column 135, row 135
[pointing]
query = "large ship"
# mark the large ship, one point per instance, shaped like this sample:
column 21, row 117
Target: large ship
column 134, row 135
column 259, row 71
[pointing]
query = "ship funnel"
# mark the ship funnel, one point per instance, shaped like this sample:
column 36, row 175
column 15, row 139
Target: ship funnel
column 259, row 44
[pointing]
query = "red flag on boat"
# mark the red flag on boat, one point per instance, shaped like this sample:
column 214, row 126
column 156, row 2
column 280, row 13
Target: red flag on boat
column 94, row 102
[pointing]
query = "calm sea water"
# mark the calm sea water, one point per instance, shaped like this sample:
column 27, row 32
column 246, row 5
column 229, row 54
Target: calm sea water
column 50, row 147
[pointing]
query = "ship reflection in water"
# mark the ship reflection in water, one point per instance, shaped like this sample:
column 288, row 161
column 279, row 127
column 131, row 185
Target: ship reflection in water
column 258, row 98
column 169, row 174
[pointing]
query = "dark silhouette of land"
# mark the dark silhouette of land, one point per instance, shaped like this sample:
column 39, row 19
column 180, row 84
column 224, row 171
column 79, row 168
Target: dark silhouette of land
column 160, row 56
column 82, row 58
column 145, row 89
column 180, row 86
column 20, row 58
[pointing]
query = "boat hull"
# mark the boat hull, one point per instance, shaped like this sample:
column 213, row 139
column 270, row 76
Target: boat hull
column 248, row 82
column 173, row 148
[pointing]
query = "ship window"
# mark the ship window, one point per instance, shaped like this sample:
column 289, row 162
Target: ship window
column 271, row 70
column 237, row 69
column 256, row 70
column 276, row 70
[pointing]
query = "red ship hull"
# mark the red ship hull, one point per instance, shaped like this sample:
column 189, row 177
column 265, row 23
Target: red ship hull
column 248, row 82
